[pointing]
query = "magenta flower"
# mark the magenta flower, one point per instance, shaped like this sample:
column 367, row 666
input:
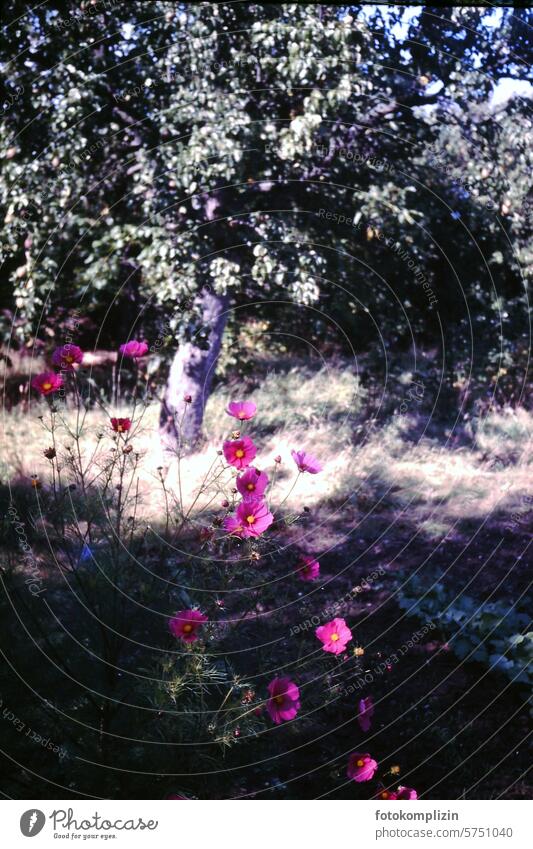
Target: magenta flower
column 65, row 356
column 308, row 568
column 306, row 462
column 334, row 635
column 186, row 623
column 233, row 526
column 47, row 382
column 242, row 410
column 239, row 452
column 404, row 793
column 254, row 517
column 361, row 767
column 121, row 425
column 284, row 701
column 252, row 483
column 134, row 349
column 366, row 712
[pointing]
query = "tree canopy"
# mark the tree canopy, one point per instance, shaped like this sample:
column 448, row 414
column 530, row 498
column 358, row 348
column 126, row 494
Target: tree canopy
column 350, row 160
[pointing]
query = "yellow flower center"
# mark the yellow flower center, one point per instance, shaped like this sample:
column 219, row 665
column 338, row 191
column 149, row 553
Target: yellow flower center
column 250, row 487
column 334, row 638
column 69, row 358
column 239, row 453
column 187, row 629
column 278, row 699
column 242, row 414
column 250, row 519
column 360, row 762
column 47, row 386
column 120, row 428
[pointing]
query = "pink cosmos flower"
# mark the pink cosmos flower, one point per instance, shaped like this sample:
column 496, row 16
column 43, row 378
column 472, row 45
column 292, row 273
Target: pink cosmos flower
column 366, row 712
column 252, row 483
column 361, row 767
column 186, row 623
column 334, row 635
column 233, row 526
column 47, row 382
column 120, row 425
column 308, row 568
column 406, row 793
column 242, row 410
column 306, row 462
column 284, row 701
column 134, row 349
column 66, row 356
column 254, row 517
column 239, row 452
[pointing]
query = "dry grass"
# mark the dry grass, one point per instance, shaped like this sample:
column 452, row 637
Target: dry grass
column 324, row 413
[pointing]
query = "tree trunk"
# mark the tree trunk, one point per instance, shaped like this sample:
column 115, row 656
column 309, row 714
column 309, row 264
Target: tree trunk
column 191, row 375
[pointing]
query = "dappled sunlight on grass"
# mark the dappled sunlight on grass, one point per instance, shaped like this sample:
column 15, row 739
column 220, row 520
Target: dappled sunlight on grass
column 370, row 465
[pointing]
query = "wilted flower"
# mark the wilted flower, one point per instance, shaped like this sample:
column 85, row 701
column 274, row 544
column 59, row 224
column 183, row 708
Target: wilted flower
column 239, row 453
column 121, row 425
column 277, row 459
column 47, row 382
column 252, row 483
column 35, row 482
column 134, row 349
column 284, row 701
column 361, row 767
column 254, row 517
column 306, row 462
column 308, row 568
column 242, row 410
column 334, row 635
column 66, row 356
column 186, row 623
column 49, row 453
column 365, row 714
column 187, row 399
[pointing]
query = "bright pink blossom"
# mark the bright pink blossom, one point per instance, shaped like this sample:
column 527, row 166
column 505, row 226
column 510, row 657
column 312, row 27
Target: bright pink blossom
column 233, row 526
column 66, row 356
column 366, row 712
column 284, row 701
column 308, row 568
column 306, row 462
column 239, row 452
column 334, row 635
column 47, row 382
column 387, row 795
column 134, row 349
column 361, row 767
column 404, row 793
column 254, row 517
column 242, row 410
column 120, row 425
column 252, row 483
column 186, row 623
